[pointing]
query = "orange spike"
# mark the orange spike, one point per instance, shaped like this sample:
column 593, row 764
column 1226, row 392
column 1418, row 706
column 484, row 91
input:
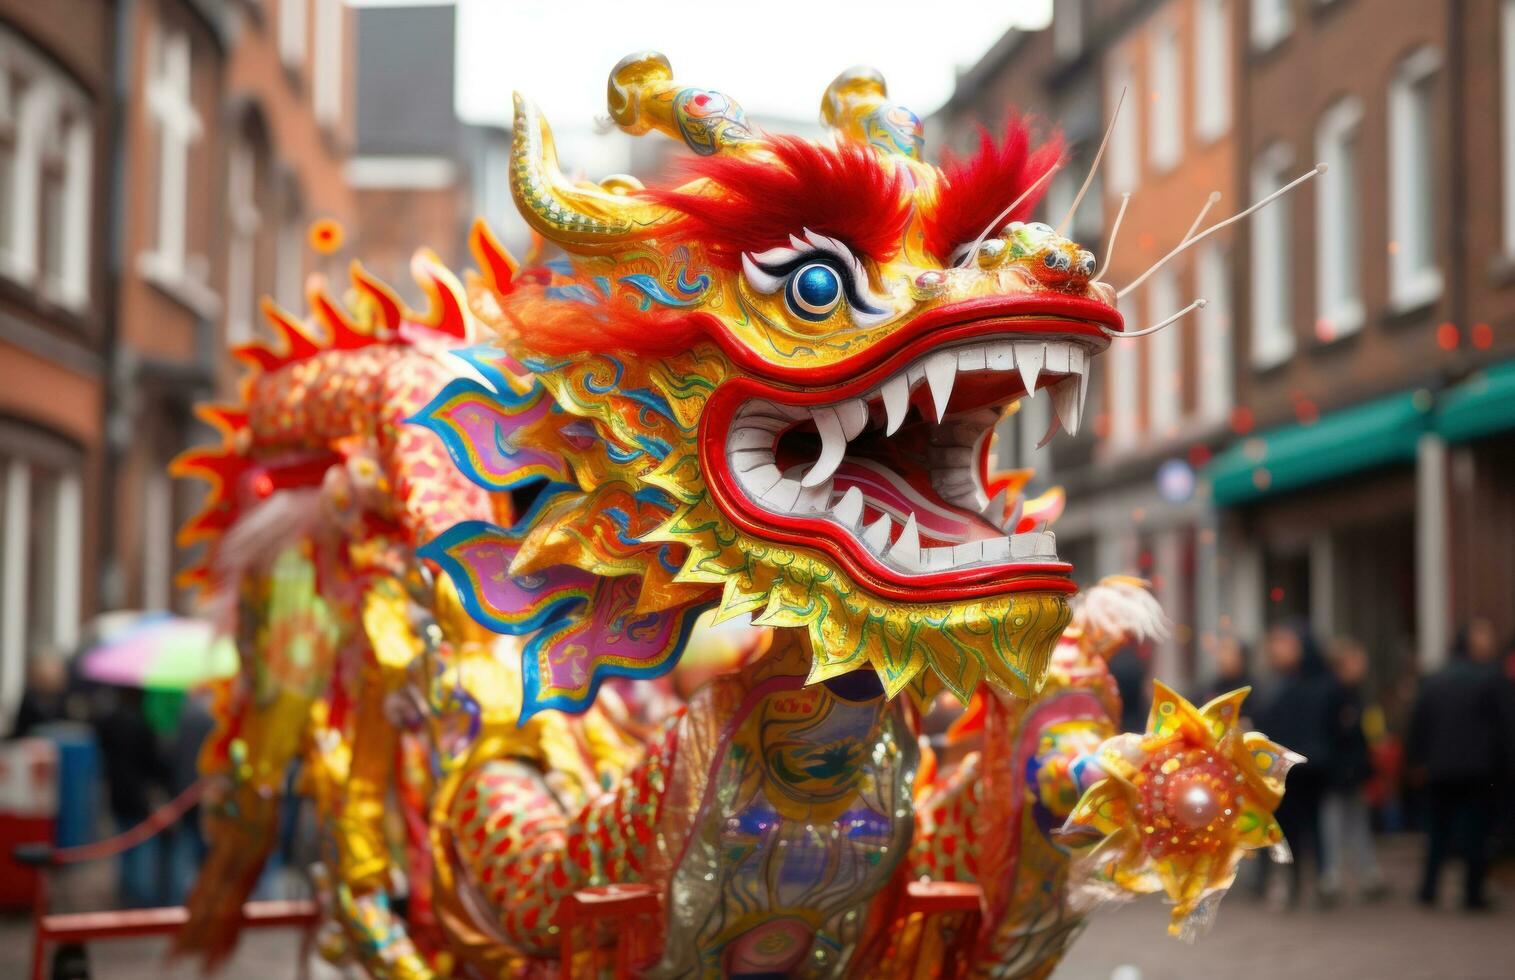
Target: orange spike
column 257, row 356
column 382, row 296
column 493, row 259
column 345, row 334
column 971, row 721
column 297, row 343
column 446, row 313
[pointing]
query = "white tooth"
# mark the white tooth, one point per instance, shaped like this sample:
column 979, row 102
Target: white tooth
column 1078, row 360
column 750, row 438
column 854, row 416
column 968, row 553
column 996, row 549
column 759, row 481
column 1065, row 403
column 994, row 510
column 1057, row 356
column 906, row 552
column 1052, row 427
column 812, row 500
column 896, row 392
column 1078, row 363
column 936, row 559
column 849, row 510
column 782, row 495
column 941, row 371
column 1000, row 356
column 746, row 460
column 1029, row 358
column 833, row 446
column 1046, row 546
column 1015, row 515
column 876, row 537
column 970, row 359
column 776, row 410
column 1023, row 545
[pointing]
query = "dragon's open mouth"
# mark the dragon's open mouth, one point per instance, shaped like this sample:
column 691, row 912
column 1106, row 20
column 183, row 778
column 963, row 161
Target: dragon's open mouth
column 902, row 468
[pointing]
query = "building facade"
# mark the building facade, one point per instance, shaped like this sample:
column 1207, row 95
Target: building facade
column 160, row 164
column 1330, row 437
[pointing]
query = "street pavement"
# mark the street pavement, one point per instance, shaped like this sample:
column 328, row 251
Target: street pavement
column 1251, row 940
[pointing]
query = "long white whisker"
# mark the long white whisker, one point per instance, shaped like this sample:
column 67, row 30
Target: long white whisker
column 1209, row 203
column 1198, row 304
column 1094, row 167
column 979, row 242
column 1320, row 168
column 1125, row 199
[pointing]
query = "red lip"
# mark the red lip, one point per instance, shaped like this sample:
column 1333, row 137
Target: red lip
column 803, row 386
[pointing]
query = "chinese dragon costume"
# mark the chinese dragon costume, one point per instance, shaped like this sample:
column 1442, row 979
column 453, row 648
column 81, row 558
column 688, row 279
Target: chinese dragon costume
column 459, row 546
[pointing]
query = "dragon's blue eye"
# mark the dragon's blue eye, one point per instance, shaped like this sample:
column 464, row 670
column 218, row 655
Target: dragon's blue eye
column 814, row 291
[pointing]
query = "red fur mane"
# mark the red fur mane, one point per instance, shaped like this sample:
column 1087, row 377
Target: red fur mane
column 975, row 189
column 845, row 192
column 555, row 328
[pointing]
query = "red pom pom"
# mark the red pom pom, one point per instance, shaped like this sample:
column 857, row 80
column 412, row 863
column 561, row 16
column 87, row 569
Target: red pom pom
column 846, row 192
column 975, row 189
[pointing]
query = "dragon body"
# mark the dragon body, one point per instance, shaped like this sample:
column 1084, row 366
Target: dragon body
column 463, row 540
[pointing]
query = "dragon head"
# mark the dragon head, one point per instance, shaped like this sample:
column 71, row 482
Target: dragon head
column 773, row 388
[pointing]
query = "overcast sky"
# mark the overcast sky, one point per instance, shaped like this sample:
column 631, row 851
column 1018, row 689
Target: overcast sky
column 775, row 57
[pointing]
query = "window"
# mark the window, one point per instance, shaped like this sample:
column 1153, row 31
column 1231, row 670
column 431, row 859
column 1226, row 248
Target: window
column 328, row 81
column 170, row 102
column 1272, row 20
column 1272, row 293
column 1123, row 386
column 1165, row 392
column 289, row 254
column 1124, row 153
column 1506, row 116
column 46, row 176
column 293, row 17
column 1212, row 68
column 241, row 251
column 1165, row 120
column 1414, row 278
column 1338, row 250
column 40, row 565
column 1214, row 347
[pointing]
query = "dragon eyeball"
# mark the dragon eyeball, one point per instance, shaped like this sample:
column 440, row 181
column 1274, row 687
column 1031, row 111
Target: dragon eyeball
column 814, row 291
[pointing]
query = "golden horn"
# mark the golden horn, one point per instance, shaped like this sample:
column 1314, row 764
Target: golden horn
column 856, row 105
column 642, row 95
column 580, row 217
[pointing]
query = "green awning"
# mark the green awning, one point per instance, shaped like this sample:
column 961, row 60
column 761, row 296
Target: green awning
column 1480, row 406
column 1376, row 433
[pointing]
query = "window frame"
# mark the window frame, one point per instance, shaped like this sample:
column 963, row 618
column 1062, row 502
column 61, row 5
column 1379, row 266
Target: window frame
column 1338, row 215
column 1412, row 285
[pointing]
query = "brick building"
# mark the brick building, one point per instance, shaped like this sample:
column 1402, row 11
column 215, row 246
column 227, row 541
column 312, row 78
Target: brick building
column 160, row 161
column 1331, row 436
column 55, row 320
column 1160, row 396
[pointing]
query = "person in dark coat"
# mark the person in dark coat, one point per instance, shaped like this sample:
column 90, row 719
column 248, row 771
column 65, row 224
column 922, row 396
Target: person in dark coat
column 1346, row 824
column 134, row 768
column 1131, row 667
column 1299, row 711
column 1233, row 668
column 1459, row 743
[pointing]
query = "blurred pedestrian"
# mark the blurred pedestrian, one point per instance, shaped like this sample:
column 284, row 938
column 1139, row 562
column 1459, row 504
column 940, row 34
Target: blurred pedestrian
column 1460, row 737
column 1131, row 667
column 1233, row 667
column 1298, row 711
column 133, row 770
column 1345, row 823
column 43, row 700
column 186, row 846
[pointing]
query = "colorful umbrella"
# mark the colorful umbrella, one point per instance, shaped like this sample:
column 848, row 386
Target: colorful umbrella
column 160, row 652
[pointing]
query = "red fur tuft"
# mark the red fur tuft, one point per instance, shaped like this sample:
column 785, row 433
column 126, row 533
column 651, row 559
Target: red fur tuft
column 553, row 328
column 975, row 189
column 846, row 192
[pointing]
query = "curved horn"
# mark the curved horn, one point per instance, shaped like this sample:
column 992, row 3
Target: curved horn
column 580, row 217
column 856, row 105
column 642, row 95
